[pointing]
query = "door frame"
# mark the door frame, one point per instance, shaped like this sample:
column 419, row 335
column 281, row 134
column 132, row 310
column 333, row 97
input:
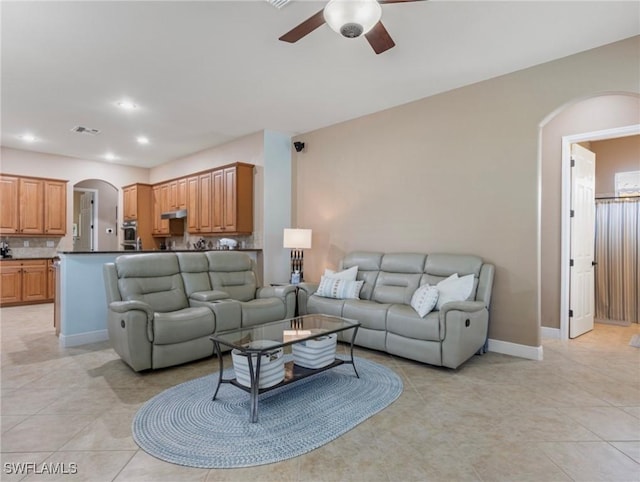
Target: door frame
column 565, row 248
column 93, row 213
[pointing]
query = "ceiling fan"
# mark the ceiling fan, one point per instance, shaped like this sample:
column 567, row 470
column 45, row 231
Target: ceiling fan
column 350, row 18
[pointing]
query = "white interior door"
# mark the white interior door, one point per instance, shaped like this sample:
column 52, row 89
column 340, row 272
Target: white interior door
column 85, row 230
column 581, row 290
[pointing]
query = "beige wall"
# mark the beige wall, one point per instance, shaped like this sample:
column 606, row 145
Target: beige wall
column 614, row 155
column 589, row 115
column 456, row 172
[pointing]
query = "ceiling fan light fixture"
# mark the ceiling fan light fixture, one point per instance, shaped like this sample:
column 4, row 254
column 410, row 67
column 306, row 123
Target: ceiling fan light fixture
column 352, row 18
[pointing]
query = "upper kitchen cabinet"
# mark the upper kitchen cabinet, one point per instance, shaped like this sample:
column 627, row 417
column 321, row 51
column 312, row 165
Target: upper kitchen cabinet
column 232, row 205
column 161, row 194
column 33, row 206
column 199, row 199
column 177, row 198
column 136, row 198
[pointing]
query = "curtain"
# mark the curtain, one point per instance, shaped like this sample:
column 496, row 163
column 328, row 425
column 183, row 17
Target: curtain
column 617, row 249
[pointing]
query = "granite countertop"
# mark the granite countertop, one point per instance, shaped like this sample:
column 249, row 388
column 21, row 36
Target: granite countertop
column 30, row 258
column 158, row 251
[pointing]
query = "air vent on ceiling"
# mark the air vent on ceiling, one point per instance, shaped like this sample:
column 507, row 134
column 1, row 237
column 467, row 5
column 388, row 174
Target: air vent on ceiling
column 278, row 3
column 85, row 130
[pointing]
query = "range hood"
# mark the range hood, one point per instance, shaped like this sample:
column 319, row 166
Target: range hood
column 179, row 214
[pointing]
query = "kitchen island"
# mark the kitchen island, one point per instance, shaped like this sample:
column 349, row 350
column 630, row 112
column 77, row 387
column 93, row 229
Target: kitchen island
column 81, row 306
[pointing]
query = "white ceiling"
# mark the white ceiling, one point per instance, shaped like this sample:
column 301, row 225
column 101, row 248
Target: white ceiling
column 204, row 73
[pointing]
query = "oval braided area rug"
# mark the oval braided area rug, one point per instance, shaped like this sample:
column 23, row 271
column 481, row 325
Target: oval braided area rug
column 184, row 426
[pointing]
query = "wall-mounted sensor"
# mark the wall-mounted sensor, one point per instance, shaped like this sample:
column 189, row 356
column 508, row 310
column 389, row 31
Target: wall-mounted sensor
column 109, row 230
column 299, row 146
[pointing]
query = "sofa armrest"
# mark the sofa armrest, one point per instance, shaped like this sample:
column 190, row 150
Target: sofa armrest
column 125, row 306
column 466, row 306
column 275, row 291
column 308, row 288
column 213, row 295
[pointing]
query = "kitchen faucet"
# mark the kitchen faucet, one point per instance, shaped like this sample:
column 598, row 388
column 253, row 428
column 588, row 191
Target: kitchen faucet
column 138, row 244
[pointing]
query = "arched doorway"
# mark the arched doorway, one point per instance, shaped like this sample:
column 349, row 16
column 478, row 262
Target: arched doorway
column 597, row 114
column 95, row 216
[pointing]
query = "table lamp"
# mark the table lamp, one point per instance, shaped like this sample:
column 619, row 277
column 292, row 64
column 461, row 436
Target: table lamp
column 297, row 240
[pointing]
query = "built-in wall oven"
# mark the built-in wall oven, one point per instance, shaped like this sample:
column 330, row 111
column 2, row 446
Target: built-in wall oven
column 129, row 234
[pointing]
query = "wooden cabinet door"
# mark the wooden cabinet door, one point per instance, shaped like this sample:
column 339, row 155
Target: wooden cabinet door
column 157, row 209
column 172, row 198
column 193, row 204
column 34, row 281
column 130, row 201
column 229, row 199
column 51, row 281
column 217, row 202
column 165, row 201
column 10, row 282
column 31, row 210
column 181, row 194
column 9, row 222
column 55, row 208
column 205, row 195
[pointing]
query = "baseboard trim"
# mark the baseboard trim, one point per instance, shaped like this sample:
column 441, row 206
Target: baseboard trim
column 552, row 333
column 66, row 341
column 514, row 349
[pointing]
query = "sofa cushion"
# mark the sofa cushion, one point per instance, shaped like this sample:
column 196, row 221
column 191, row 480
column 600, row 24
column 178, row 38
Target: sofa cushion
column 340, row 289
column 183, row 325
column 403, row 262
column 194, row 268
column 328, row 306
column 396, row 287
column 404, row 321
column 262, row 310
column 454, row 288
column 348, row 274
column 164, row 293
column 368, row 264
column 370, row 314
column 424, row 299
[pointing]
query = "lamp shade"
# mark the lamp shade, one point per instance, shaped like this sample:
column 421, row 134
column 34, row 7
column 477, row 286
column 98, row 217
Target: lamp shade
column 352, row 18
column 297, row 238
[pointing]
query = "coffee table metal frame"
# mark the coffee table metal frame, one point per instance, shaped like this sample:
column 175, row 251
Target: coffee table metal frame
column 293, row 372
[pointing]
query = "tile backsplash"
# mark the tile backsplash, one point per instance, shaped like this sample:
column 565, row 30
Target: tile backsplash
column 37, row 248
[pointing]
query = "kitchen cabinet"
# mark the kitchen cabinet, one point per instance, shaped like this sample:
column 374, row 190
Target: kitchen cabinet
column 138, row 206
column 161, row 195
column 177, row 198
column 51, row 280
column 33, row 206
column 199, row 198
column 55, row 208
column 233, row 199
column 24, row 281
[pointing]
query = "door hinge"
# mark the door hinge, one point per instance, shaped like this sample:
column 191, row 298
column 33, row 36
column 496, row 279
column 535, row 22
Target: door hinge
column 570, row 313
column 572, row 213
column 570, row 262
column 573, row 163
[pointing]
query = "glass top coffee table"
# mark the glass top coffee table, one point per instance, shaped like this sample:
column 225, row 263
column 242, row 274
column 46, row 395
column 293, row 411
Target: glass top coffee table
column 262, row 345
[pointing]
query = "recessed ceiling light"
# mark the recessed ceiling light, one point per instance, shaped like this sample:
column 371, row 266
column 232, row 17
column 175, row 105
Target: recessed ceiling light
column 109, row 156
column 127, row 105
column 142, row 140
column 28, row 137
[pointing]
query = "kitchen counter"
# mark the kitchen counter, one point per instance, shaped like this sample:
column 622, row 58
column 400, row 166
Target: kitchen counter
column 159, row 251
column 23, row 258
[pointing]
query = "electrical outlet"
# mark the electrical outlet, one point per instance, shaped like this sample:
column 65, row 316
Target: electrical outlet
column 50, row 244
column 26, row 244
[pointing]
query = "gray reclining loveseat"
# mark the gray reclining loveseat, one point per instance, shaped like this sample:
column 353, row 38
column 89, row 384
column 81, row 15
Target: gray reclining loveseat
column 164, row 306
column 447, row 336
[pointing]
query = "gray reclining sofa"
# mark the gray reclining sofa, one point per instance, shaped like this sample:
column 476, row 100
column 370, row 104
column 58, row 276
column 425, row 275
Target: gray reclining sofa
column 445, row 337
column 164, row 306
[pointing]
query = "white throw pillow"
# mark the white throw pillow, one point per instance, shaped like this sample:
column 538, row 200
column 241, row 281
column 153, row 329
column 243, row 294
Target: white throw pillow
column 454, row 289
column 341, row 289
column 348, row 274
column 424, row 299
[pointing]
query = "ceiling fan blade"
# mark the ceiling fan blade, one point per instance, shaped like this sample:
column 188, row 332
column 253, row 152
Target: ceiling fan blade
column 379, row 38
column 305, row 28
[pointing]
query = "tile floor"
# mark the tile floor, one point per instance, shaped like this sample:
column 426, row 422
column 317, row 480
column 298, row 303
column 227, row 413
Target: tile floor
column 573, row 416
